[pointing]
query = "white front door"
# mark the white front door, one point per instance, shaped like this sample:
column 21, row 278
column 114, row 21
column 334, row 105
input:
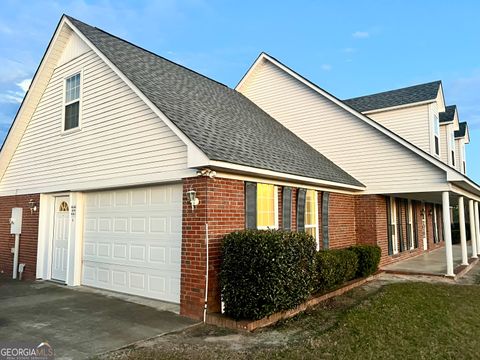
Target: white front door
column 424, row 227
column 393, row 224
column 60, row 238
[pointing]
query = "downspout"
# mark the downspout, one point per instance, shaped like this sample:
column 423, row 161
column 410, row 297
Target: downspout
column 206, row 275
column 207, row 254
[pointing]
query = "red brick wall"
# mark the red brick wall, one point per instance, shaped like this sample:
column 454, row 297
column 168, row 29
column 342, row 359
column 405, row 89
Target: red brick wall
column 371, row 227
column 341, row 220
column 28, row 238
column 222, row 206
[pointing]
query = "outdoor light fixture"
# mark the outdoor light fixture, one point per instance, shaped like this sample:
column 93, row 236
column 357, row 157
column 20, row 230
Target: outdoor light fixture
column 422, row 212
column 430, row 212
column 192, row 197
column 32, row 205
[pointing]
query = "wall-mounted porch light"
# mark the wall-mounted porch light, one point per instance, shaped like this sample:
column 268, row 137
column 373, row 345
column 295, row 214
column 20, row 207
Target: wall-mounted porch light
column 32, row 205
column 192, row 197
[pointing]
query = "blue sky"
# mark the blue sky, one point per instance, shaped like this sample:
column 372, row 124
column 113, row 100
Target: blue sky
column 349, row 48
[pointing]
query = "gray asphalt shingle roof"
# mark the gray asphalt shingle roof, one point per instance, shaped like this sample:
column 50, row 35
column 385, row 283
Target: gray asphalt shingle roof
column 223, row 123
column 408, row 95
column 448, row 115
column 462, row 130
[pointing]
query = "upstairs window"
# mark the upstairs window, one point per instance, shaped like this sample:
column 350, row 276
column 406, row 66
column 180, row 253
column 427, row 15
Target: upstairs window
column 436, row 133
column 452, row 147
column 72, row 102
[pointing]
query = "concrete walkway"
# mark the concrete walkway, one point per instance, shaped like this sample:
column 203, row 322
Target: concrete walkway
column 77, row 324
column 431, row 263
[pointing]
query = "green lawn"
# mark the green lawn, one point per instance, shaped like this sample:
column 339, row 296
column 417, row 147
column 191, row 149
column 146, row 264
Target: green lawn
column 395, row 321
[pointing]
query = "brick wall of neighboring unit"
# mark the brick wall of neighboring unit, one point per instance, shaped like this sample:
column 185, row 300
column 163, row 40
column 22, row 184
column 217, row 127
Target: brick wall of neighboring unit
column 28, row 238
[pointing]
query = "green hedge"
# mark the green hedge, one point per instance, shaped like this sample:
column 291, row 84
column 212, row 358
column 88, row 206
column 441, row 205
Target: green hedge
column 368, row 259
column 334, row 267
column 264, row 272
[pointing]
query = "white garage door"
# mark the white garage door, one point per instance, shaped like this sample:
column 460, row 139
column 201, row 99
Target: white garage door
column 132, row 241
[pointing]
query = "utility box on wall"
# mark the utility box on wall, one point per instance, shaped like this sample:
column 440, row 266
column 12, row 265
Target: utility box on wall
column 16, row 221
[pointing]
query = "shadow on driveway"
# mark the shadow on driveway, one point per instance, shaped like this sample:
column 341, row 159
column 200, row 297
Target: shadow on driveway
column 77, row 324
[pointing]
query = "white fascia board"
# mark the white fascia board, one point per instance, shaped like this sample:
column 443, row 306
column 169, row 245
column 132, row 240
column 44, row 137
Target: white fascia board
column 407, row 189
column 373, row 123
column 462, row 192
column 458, row 177
column 279, row 175
column 446, row 123
column 279, row 182
column 196, row 157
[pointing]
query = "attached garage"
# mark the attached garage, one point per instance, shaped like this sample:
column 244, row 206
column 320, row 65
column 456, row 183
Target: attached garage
column 132, row 241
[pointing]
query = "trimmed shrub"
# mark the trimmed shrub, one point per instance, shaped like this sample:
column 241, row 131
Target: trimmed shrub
column 368, row 259
column 263, row 272
column 334, row 267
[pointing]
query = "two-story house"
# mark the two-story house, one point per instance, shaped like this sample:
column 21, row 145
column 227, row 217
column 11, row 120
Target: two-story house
column 130, row 169
column 392, row 142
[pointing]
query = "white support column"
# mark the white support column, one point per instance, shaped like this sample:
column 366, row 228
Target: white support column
column 473, row 235
column 463, row 235
column 447, row 230
column 477, row 227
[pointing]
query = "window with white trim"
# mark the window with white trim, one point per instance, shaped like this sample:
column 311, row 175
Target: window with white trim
column 410, row 225
column 436, row 134
column 311, row 214
column 267, row 206
column 393, row 225
column 72, row 103
column 452, row 147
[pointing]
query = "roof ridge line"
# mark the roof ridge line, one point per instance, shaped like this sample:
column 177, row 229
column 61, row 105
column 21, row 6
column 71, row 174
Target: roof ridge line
column 149, row 51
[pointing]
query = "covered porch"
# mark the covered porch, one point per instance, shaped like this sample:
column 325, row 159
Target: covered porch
column 450, row 259
column 431, row 263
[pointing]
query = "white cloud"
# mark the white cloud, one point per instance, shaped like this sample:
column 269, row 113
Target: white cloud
column 326, row 67
column 349, row 50
column 361, row 34
column 24, row 84
column 11, row 97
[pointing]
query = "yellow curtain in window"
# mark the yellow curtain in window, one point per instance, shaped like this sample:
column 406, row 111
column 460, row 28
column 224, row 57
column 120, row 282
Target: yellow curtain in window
column 265, row 206
column 310, row 207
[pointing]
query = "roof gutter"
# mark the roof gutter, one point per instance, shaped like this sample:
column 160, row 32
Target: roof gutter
column 248, row 170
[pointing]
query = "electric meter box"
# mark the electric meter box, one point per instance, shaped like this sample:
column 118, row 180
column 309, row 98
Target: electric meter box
column 16, row 221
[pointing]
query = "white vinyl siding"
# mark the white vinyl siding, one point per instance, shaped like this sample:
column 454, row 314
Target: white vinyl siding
column 410, row 123
column 122, row 140
column 444, row 129
column 363, row 151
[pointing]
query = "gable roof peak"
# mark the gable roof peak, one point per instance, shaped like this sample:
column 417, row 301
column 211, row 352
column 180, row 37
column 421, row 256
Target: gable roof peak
column 220, row 121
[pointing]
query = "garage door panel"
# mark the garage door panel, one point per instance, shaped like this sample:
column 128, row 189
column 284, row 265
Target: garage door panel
column 154, row 283
column 132, row 241
column 150, row 257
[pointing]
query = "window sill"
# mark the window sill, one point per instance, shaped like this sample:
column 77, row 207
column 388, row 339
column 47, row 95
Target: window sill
column 71, row 131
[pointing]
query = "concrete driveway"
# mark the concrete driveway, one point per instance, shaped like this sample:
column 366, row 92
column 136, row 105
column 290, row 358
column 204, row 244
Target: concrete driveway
column 77, row 323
